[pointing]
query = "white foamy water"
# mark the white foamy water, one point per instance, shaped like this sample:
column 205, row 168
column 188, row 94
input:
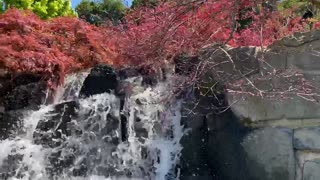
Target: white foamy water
column 145, row 145
column 71, row 88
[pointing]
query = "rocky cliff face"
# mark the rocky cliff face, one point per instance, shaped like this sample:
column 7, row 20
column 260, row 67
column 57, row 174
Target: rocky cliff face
column 255, row 116
column 274, row 95
column 102, row 124
column 293, row 120
column 18, row 92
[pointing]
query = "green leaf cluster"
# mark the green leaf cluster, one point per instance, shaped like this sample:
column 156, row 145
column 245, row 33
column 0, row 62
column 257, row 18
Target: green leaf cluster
column 146, row 3
column 1, row 6
column 44, row 8
column 288, row 4
column 97, row 12
column 300, row 6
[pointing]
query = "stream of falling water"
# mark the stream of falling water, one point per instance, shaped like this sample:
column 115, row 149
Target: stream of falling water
column 148, row 147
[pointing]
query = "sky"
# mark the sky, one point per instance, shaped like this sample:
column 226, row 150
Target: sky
column 76, row 2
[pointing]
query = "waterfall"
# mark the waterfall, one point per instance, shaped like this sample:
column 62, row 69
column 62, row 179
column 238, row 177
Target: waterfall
column 105, row 136
column 71, row 88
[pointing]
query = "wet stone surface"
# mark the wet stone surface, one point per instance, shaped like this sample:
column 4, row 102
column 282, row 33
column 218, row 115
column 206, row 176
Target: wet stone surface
column 101, row 79
column 51, row 132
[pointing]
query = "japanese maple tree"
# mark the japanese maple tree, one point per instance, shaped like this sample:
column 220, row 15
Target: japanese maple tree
column 150, row 36
column 159, row 33
column 50, row 48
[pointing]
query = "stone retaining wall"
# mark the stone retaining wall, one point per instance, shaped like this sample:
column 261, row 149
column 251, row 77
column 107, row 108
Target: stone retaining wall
column 284, row 111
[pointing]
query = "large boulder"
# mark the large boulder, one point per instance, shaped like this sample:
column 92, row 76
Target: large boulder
column 270, row 154
column 21, row 91
column 26, row 96
column 284, row 94
column 105, row 79
column 287, row 87
column 307, row 139
column 274, row 95
column 18, row 92
column 102, row 79
column 226, row 64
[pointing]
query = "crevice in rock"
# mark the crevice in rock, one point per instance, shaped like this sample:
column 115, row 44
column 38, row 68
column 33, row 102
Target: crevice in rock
column 124, row 131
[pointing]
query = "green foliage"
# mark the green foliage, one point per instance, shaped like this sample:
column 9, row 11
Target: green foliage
column 244, row 21
column 1, row 6
column 287, row 4
column 146, row 3
column 101, row 11
column 44, row 8
column 300, row 6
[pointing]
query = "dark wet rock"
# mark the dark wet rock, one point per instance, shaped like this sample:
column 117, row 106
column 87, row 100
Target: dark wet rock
column 149, row 80
column 31, row 95
column 124, row 89
column 80, row 171
column 126, row 73
column 70, row 121
column 150, row 76
column 185, row 64
column 215, row 137
column 141, row 132
column 141, row 101
column 124, row 127
column 10, row 122
column 219, row 67
column 225, row 154
column 216, row 151
column 57, row 125
column 58, row 163
column 145, row 76
column 23, row 90
column 25, row 78
column 112, row 125
column 5, row 84
column 6, row 124
column 102, row 79
column 193, row 161
column 53, row 132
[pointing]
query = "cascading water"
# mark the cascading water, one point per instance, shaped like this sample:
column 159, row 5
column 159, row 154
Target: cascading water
column 71, row 88
column 100, row 137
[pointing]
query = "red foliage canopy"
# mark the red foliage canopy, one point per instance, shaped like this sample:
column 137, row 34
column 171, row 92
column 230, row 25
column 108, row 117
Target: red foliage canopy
column 150, row 36
column 156, row 34
column 50, row 48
